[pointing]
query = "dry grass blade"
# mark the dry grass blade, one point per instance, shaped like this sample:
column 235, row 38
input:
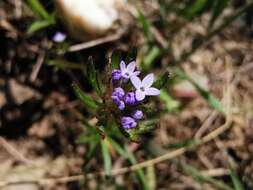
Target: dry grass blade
column 99, row 41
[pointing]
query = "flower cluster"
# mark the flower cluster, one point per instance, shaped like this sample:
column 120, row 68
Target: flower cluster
column 130, row 100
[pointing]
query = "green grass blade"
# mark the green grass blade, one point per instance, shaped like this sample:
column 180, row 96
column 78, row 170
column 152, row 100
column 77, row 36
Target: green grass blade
column 236, row 181
column 106, row 156
column 151, row 56
column 93, row 77
column 118, row 148
column 129, row 156
column 139, row 172
column 151, row 177
column 85, row 99
column 171, row 104
column 115, row 59
column 36, row 6
column 211, row 100
column 145, row 26
column 93, row 145
column 83, row 139
column 217, row 10
column 195, row 8
column 39, row 25
column 64, row 64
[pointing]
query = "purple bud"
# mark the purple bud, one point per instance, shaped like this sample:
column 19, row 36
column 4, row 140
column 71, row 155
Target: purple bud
column 128, row 122
column 130, row 99
column 138, row 114
column 121, row 105
column 116, row 75
column 115, row 99
column 59, row 37
column 119, row 92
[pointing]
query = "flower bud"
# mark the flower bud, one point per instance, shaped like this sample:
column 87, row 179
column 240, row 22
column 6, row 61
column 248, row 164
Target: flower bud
column 121, row 105
column 118, row 92
column 116, row 75
column 130, row 99
column 59, row 37
column 138, row 114
column 128, row 122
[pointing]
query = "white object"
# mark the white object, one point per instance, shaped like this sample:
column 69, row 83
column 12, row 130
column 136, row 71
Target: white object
column 95, row 17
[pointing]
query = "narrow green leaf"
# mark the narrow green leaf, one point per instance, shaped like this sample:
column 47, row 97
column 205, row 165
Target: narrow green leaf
column 145, row 26
column 36, row 6
column 118, row 148
column 83, row 139
column 92, row 147
column 115, row 59
column 171, row 104
column 93, row 77
column 129, row 156
column 236, row 181
column 139, row 172
column 39, row 25
column 106, row 157
column 151, row 56
column 211, row 100
column 63, row 64
column 151, row 177
column 217, row 10
column 85, row 99
column 195, row 8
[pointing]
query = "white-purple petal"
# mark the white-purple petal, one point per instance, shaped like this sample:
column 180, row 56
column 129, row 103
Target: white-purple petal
column 136, row 81
column 131, row 66
column 148, row 80
column 140, row 95
column 152, row 91
column 136, row 73
column 122, row 66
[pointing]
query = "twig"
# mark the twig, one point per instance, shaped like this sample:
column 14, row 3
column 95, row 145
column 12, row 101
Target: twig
column 96, row 42
column 12, row 151
column 216, row 172
column 37, row 66
column 206, row 124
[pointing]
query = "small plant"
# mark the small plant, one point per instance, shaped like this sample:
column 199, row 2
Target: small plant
column 128, row 102
column 124, row 100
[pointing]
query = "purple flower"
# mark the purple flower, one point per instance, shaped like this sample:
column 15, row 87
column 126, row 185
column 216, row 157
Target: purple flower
column 128, row 122
column 116, row 75
column 59, row 37
column 128, row 71
column 117, row 95
column 138, row 114
column 120, row 105
column 118, row 92
column 130, row 99
column 143, row 88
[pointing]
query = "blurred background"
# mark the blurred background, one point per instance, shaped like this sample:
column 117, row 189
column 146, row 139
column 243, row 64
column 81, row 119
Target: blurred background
column 202, row 138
